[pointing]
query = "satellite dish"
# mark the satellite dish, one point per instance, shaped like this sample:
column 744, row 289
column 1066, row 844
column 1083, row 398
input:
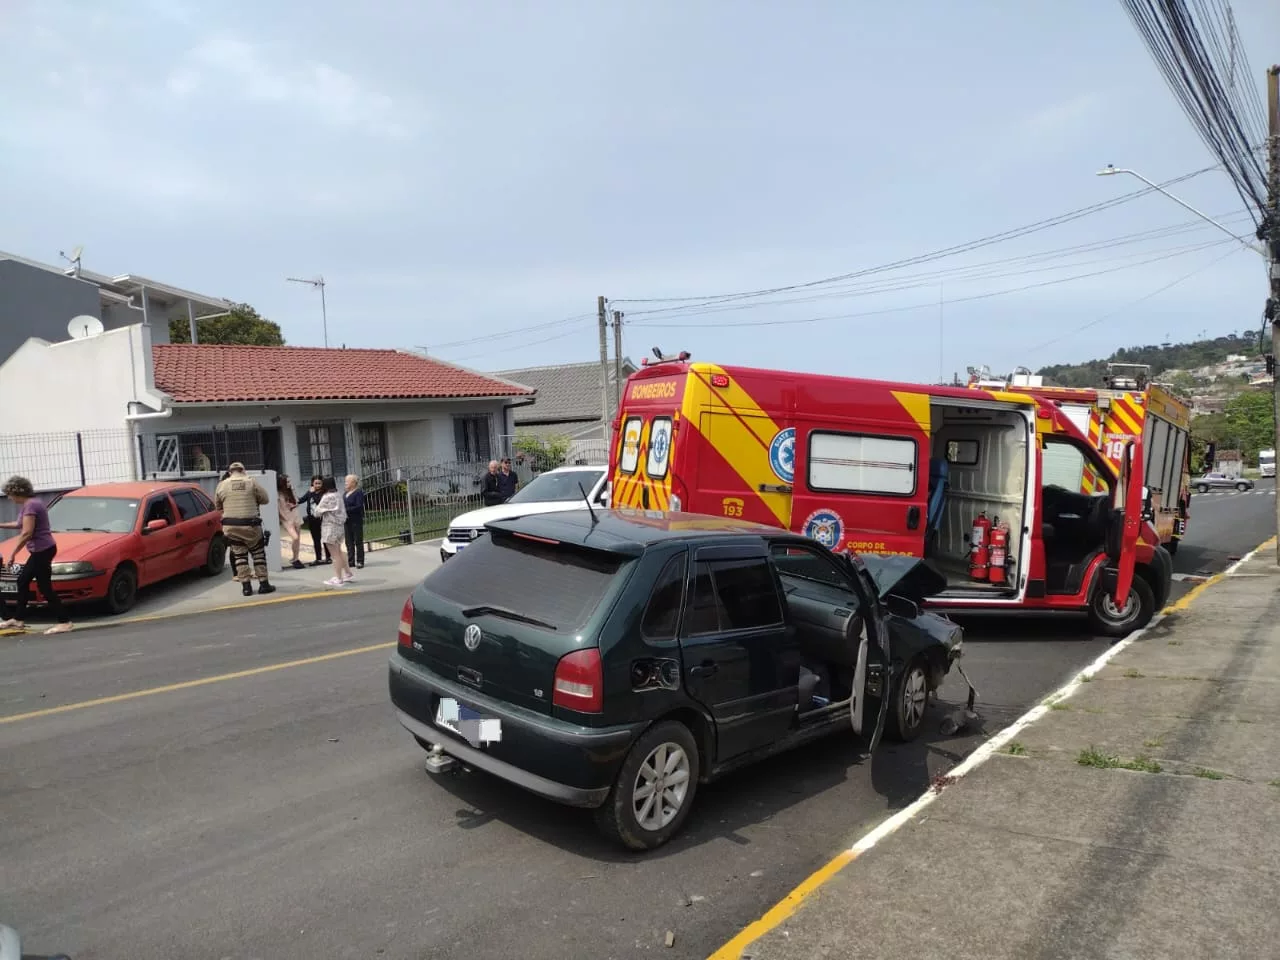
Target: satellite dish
column 84, row 326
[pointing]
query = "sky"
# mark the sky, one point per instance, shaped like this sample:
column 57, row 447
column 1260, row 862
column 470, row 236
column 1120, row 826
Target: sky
column 469, row 178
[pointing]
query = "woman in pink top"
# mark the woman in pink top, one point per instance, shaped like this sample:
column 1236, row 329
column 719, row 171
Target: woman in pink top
column 35, row 535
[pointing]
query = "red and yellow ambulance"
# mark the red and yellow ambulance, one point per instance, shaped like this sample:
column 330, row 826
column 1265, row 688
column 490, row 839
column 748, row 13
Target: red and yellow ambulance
column 1129, row 406
column 951, row 474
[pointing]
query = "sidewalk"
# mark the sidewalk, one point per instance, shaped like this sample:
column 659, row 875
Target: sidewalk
column 1136, row 819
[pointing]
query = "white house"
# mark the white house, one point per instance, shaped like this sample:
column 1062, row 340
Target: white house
column 177, row 409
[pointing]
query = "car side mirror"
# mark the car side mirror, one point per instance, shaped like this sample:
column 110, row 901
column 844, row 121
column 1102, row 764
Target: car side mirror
column 154, row 525
column 902, row 607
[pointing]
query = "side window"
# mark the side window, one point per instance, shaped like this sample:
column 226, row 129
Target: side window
column 202, row 498
column 629, row 458
column 158, row 508
column 704, row 614
column 659, row 448
column 796, row 561
column 748, row 594
column 859, row 463
column 663, row 611
column 189, row 506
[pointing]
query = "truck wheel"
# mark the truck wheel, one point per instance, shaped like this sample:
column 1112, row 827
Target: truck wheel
column 654, row 790
column 910, row 700
column 1108, row 621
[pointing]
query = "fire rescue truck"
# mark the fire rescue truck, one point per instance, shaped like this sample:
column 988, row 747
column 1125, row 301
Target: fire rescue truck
column 954, row 475
column 1128, row 406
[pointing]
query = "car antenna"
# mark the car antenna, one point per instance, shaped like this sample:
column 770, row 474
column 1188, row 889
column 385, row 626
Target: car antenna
column 594, row 521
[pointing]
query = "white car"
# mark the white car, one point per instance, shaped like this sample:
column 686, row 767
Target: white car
column 551, row 492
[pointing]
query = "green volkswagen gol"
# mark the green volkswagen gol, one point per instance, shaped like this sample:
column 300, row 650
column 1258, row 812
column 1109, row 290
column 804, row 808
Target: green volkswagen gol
column 616, row 659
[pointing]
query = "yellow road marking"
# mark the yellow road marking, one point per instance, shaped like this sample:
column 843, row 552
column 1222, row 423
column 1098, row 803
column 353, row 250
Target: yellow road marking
column 789, row 904
column 784, row 908
column 192, row 684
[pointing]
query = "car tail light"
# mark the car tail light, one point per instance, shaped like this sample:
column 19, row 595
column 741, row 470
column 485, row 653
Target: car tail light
column 405, row 638
column 579, row 683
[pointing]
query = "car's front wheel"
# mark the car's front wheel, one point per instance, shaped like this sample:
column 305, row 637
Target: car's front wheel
column 655, row 787
column 216, row 561
column 1202, row 488
column 1111, row 621
column 910, row 700
column 122, row 591
column 1242, row 486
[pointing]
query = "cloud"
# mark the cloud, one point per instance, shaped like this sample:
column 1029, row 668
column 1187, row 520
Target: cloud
column 1062, row 119
column 223, row 64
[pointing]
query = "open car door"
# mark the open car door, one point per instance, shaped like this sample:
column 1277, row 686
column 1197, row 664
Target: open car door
column 1129, row 500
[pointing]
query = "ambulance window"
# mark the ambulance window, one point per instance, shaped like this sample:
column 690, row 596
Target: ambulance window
column 659, row 448
column 859, row 463
column 630, row 456
column 963, row 453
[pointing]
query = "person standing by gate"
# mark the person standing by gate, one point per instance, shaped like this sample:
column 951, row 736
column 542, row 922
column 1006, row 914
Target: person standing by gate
column 355, row 521
column 310, row 500
column 240, row 499
column 33, row 522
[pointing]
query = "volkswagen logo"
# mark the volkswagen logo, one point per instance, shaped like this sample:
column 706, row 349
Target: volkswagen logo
column 471, row 637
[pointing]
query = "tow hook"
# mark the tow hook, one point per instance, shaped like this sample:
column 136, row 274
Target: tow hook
column 438, row 761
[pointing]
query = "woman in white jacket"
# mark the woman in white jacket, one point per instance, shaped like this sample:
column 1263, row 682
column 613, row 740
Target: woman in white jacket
column 332, row 511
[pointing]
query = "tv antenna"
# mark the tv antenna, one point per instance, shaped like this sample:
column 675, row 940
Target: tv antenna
column 84, row 326
column 74, row 259
column 318, row 283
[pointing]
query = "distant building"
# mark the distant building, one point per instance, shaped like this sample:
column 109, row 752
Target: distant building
column 568, row 400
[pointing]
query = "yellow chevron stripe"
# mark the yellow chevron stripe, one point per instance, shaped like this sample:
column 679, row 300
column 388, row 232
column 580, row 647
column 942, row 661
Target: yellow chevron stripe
column 917, row 406
column 733, row 423
column 1126, row 418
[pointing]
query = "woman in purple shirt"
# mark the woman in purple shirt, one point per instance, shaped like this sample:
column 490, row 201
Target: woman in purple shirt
column 35, row 535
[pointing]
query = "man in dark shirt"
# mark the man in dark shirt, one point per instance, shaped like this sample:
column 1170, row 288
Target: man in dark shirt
column 490, row 494
column 507, row 481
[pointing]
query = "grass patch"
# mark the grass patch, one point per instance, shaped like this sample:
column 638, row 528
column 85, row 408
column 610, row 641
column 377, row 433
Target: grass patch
column 1087, row 678
column 1174, row 643
column 1056, row 705
column 1094, row 710
column 1153, row 743
column 1093, row 757
column 1133, row 674
column 1206, row 774
column 1015, row 749
column 1273, row 783
column 428, row 522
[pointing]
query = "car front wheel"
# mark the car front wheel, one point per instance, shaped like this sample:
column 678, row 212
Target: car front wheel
column 1111, row 621
column 1242, row 486
column 910, row 700
column 122, row 591
column 1203, row 488
column 654, row 790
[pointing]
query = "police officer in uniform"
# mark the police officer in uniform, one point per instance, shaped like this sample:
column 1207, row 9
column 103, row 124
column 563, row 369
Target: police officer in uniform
column 240, row 498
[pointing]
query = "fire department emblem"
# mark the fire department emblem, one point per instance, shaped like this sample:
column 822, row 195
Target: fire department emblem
column 826, row 527
column 782, row 454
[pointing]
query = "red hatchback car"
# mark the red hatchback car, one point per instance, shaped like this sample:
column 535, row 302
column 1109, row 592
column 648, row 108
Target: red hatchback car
column 116, row 537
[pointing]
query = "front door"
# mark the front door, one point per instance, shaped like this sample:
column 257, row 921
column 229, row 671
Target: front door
column 741, row 658
column 162, row 549
column 861, row 490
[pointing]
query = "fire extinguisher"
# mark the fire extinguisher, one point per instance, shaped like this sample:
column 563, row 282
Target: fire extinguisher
column 999, row 550
column 979, row 554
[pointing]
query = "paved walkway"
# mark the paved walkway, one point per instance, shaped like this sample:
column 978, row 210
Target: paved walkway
column 1136, row 819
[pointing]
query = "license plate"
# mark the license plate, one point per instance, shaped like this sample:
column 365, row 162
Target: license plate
column 458, row 546
column 469, row 724
column 8, row 587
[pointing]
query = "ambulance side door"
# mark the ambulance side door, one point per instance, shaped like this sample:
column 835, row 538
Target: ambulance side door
column 861, row 489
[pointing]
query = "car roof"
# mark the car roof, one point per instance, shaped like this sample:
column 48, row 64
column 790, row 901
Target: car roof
column 131, row 489
column 627, row 530
column 574, row 468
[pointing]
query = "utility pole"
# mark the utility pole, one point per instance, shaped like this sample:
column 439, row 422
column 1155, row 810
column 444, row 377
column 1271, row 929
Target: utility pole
column 1270, row 237
column 617, row 359
column 605, row 410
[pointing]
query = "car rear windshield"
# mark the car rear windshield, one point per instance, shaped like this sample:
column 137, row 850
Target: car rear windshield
column 105, row 514
column 557, row 584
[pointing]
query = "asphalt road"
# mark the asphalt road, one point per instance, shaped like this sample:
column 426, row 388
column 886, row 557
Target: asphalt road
column 285, row 814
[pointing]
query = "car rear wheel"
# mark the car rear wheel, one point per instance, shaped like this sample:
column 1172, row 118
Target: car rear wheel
column 910, row 700
column 654, row 790
column 122, row 591
column 1110, row 621
column 216, row 562
column 1202, row 488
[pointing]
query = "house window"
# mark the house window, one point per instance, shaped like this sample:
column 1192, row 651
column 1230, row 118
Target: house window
column 373, row 448
column 322, row 450
column 859, row 463
column 472, row 437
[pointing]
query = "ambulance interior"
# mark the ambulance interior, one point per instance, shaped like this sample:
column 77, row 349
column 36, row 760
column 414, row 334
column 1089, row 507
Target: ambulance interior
column 979, row 464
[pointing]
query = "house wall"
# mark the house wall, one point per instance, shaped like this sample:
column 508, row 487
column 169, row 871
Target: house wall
column 39, row 303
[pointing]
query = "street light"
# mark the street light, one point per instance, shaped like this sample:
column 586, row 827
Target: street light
column 1109, row 170
column 318, row 283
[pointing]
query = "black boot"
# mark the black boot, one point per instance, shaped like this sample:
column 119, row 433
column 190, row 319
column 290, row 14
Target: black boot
column 246, row 588
column 265, row 587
